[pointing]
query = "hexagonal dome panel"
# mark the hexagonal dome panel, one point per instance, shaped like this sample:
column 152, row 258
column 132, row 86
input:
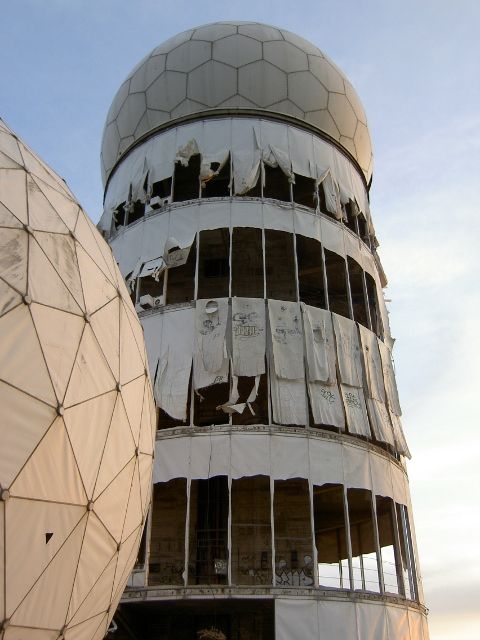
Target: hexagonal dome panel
column 236, row 65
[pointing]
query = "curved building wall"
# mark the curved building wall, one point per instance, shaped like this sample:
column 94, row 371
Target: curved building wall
column 249, row 251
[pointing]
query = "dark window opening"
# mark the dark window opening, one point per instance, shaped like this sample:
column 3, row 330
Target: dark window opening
column 359, row 305
column 337, row 283
column 247, row 263
column 209, row 531
column 293, row 540
column 351, row 222
column 364, row 554
column 251, row 532
column 181, row 280
column 280, row 265
column 322, row 202
column 167, row 540
column 362, row 228
column 389, row 552
column 140, row 560
column 161, row 192
column 259, row 405
column 214, row 271
column 331, row 536
column 137, row 211
column 373, row 305
column 304, row 191
column 119, row 216
column 205, row 405
column 254, row 192
column 276, row 185
column 186, row 180
column 310, row 272
column 148, row 286
column 219, row 185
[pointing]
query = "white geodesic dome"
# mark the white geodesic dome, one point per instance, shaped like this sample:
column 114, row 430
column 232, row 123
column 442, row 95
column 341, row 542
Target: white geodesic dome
column 77, row 413
column 236, row 66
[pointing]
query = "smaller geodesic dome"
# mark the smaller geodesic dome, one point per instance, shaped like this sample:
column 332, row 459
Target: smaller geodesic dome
column 77, row 425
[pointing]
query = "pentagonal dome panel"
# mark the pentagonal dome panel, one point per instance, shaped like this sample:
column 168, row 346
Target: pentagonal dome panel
column 70, row 474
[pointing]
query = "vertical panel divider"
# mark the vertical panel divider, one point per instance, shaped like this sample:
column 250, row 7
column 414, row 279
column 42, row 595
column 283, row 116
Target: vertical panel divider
column 348, row 537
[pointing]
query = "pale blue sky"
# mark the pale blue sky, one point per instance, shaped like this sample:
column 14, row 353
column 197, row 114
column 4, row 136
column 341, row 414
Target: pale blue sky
column 416, row 66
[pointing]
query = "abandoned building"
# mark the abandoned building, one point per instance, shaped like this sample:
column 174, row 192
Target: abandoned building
column 237, row 163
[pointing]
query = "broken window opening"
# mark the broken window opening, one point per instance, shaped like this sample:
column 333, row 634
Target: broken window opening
column 305, row 191
column 351, row 219
column 137, row 211
column 149, row 286
column 119, row 216
column 406, row 552
column 322, row 202
column 251, row 531
column 219, row 185
column 363, row 229
column 331, row 536
column 247, row 263
column 373, row 305
column 161, row 193
column 277, row 184
column 181, row 280
column 280, row 265
column 335, row 268
column 259, row 405
column 364, row 552
column 293, row 540
column 214, row 263
column 310, row 272
column 389, row 552
column 209, row 506
column 357, row 291
column 167, row 539
column 205, row 403
column 186, row 180
column 141, row 555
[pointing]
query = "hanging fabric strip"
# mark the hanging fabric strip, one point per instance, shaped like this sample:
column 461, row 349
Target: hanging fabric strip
column 355, row 410
column 152, row 268
column 380, row 421
column 287, row 339
column 248, row 336
column 348, row 351
column 288, row 400
column 320, row 344
column 389, row 378
column 211, row 317
column 246, row 170
column 400, row 441
column 186, row 152
column 131, row 278
column 175, row 363
column 326, row 403
column 373, row 364
column 332, row 196
column 174, row 254
column 212, row 164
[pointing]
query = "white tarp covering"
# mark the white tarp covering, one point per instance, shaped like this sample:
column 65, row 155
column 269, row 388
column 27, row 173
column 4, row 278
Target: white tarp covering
column 389, row 379
column 248, row 336
column 325, row 399
column 348, row 351
column 210, row 358
column 287, row 339
column 355, row 409
column 288, row 400
column 332, row 195
column 247, row 140
column 373, row 364
column 175, row 362
column 380, row 421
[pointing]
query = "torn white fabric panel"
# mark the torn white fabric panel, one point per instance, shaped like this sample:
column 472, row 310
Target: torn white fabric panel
column 380, row 421
column 320, row 345
column 131, row 278
column 250, row 454
column 325, row 461
column 300, row 147
column 248, row 336
column 172, row 457
column 210, row 455
column 373, row 364
column 246, row 213
column 175, row 362
column 152, row 331
column 151, row 268
column 389, row 379
column 307, row 224
column 400, row 440
column 213, row 214
column 355, row 410
column 332, row 196
column 276, row 157
column 296, row 618
column 348, row 351
column 289, row 456
column 337, row 621
column 332, row 236
column 212, row 163
column 371, row 621
column 246, row 170
column 277, row 215
column 326, row 403
column 381, row 475
column 185, row 152
column 356, row 467
column 287, row 339
column 288, row 400
column 210, row 364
